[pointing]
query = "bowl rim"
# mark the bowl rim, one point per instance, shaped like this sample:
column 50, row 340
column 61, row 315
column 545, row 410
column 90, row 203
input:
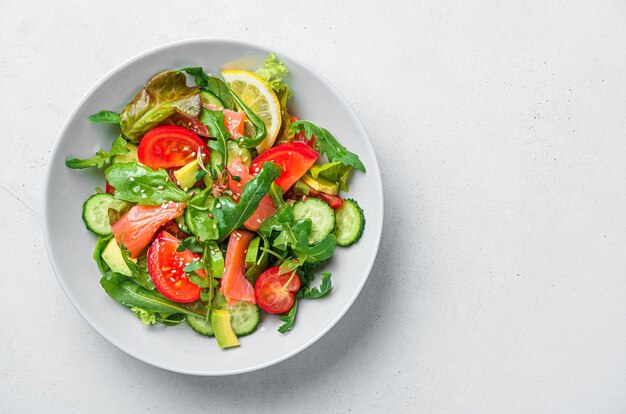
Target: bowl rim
column 374, row 169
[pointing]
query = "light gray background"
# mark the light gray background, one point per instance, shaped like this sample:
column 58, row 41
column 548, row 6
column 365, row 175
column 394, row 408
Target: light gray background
column 500, row 282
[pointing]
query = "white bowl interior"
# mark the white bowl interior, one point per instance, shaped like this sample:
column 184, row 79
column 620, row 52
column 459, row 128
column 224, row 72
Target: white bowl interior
column 70, row 245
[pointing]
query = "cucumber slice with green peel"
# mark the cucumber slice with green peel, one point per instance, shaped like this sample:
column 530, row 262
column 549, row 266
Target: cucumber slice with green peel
column 96, row 213
column 350, row 223
column 321, row 215
column 209, row 98
column 200, row 325
column 244, row 318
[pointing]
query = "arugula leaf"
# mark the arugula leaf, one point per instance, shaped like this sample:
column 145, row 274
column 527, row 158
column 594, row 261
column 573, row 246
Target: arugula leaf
column 102, row 158
column 143, row 276
column 288, row 266
column 218, row 88
column 170, row 319
column 198, row 216
column 193, row 266
column 274, row 71
column 192, row 244
column 325, row 287
column 105, row 117
column 317, row 253
column 214, row 120
column 130, row 293
column 289, row 319
column 231, row 216
column 198, row 74
column 143, row 185
column 260, row 130
column 328, row 144
column 146, row 317
column 165, row 94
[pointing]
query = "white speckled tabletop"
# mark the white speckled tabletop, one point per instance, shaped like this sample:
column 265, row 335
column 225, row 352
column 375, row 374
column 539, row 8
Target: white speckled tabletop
column 500, row 130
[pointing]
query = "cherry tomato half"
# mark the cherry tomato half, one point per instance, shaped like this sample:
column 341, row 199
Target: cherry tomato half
column 165, row 266
column 169, row 146
column 275, row 292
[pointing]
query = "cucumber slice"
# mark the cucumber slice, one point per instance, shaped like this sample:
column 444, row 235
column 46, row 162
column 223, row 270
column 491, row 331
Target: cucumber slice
column 244, row 318
column 200, row 325
column 350, row 223
column 321, row 215
column 209, row 98
column 96, row 213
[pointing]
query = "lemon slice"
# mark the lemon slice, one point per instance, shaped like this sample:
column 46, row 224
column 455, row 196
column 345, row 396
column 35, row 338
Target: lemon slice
column 260, row 97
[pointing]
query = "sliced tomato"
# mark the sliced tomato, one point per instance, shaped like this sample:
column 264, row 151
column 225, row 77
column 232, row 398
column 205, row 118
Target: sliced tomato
column 166, row 265
column 108, row 188
column 295, row 159
column 140, row 224
column 234, row 123
column 332, row 200
column 275, row 292
column 169, row 146
column 236, row 168
column 235, row 286
column 192, row 124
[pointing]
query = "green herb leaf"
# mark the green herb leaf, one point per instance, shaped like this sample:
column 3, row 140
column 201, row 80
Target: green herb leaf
column 140, row 184
column 325, row 287
column 193, row 266
column 231, row 216
column 260, row 130
column 130, row 293
column 289, row 319
column 164, row 94
column 214, row 120
column 288, row 266
column 198, row 216
column 328, row 144
column 198, row 74
column 102, row 159
column 317, row 253
column 190, row 243
column 105, row 117
column 170, row 319
column 218, row 88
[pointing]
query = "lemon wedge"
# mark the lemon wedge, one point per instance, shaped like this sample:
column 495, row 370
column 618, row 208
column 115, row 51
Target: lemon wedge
column 260, row 97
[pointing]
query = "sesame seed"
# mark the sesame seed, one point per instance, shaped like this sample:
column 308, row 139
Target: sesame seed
column 258, row 221
column 132, row 178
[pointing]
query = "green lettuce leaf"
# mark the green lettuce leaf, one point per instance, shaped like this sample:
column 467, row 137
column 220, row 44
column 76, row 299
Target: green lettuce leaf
column 335, row 171
column 197, row 216
column 146, row 317
column 274, row 71
column 164, row 94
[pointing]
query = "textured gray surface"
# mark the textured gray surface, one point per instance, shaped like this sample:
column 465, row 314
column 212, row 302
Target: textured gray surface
column 499, row 127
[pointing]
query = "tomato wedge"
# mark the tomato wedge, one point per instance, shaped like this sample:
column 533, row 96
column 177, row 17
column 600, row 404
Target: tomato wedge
column 295, row 159
column 235, row 286
column 140, row 224
column 166, row 265
column 169, row 146
column 109, row 189
column 234, row 123
column 332, row 200
column 275, row 292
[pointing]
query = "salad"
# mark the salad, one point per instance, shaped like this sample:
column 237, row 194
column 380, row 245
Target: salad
column 219, row 204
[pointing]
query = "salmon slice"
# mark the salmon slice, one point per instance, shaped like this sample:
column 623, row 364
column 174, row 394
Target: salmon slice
column 140, row 224
column 235, row 286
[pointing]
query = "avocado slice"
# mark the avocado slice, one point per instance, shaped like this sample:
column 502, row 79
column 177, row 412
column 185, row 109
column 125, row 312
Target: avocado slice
column 112, row 255
column 130, row 156
column 252, row 255
column 220, row 319
column 321, row 184
column 186, row 175
column 216, row 260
